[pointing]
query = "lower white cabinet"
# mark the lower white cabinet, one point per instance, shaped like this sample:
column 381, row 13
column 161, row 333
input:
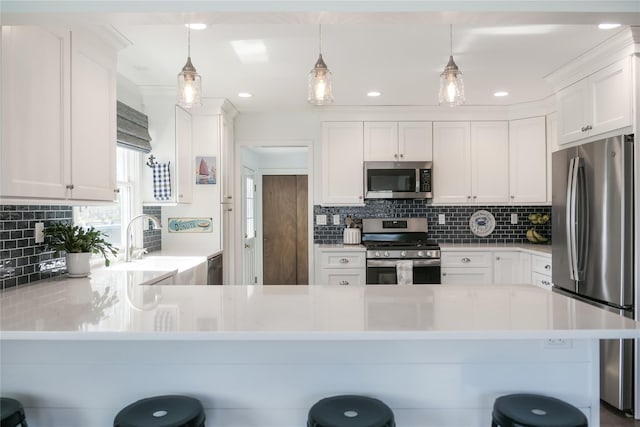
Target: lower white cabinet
column 340, row 267
column 461, row 267
column 506, row 268
column 541, row 271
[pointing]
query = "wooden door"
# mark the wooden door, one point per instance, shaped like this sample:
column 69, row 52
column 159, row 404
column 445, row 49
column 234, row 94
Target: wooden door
column 284, row 219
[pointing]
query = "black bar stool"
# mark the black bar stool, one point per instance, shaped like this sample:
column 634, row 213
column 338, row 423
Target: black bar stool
column 350, row 411
column 12, row 413
column 162, row 411
column 534, row 410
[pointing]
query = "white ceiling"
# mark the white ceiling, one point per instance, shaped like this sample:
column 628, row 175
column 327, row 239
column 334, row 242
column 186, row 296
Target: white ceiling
column 372, row 46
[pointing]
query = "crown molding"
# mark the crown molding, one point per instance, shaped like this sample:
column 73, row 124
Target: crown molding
column 623, row 44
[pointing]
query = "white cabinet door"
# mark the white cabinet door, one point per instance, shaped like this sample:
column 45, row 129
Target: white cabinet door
column 184, row 158
column 226, row 160
column 466, row 276
column 525, row 268
column 35, row 113
column 349, row 276
column 342, row 163
column 415, row 141
column 527, row 160
column 93, row 124
column 506, row 268
column 611, row 97
column 381, row 141
column 573, row 112
column 489, row 162
column 451, row 162
column 552, row 145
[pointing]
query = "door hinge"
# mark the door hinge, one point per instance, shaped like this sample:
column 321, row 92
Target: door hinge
column 255, row 279
column 255, row 187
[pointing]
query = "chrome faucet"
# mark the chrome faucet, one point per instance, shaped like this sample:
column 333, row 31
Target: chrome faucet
column 129, row 248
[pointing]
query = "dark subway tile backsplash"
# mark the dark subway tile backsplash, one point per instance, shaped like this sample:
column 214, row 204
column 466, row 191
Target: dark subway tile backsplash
column 455, row 230
column 152, row 238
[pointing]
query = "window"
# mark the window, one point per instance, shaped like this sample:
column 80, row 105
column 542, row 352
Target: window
column 249, row 217
column 113, row 219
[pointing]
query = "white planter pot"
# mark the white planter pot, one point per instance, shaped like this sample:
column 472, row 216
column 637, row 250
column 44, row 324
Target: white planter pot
column 78, row 264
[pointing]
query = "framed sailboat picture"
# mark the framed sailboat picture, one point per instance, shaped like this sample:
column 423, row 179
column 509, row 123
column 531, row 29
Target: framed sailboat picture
column 205, row 170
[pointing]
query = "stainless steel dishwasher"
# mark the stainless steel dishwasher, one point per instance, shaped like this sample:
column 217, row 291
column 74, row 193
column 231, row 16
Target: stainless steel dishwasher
column 214, row 269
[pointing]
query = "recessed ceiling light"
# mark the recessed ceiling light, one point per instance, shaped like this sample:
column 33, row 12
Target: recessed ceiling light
column 245, row 95
column 608, row 26
column 501, row 93
column 374, row 93
column 196, row 26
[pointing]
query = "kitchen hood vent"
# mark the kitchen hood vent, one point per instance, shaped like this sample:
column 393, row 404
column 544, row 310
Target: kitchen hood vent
column 133, row 128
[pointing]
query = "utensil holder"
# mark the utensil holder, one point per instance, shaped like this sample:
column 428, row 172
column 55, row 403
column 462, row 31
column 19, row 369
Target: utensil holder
column 351, row 236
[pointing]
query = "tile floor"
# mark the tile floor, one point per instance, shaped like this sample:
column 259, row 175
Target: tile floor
column 610, row 417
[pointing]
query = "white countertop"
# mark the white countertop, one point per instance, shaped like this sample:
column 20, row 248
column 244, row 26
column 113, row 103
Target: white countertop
column 340, row 247
column 531, row 248
column 109, row 307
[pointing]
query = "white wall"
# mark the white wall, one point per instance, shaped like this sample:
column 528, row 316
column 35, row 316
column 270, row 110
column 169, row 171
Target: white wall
column 128, row 93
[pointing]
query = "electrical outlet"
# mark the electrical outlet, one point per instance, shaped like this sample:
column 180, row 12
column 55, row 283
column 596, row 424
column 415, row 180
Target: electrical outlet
column 39, row 232
column 321, row 219
column 336, row 219
column 441, row 219
column 514, row 218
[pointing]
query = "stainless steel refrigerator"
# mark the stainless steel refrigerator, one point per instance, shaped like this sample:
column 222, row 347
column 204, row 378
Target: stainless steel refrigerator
column 592, row 243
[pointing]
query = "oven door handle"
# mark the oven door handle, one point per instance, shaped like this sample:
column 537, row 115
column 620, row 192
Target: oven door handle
column 394, row 262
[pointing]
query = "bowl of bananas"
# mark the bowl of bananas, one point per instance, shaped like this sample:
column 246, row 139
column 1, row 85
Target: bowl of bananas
column 537, row 219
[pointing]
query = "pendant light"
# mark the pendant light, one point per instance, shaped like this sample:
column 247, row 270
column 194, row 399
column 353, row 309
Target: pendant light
column 320, row 90
column 451, row 84
column 189, row 84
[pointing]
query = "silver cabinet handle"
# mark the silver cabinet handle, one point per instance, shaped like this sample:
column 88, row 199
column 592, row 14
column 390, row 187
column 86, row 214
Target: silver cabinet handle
column 402, row 156
column 513, row 197
column 544, row 282
column 228, row 197
column 395, row 155
column 360, row 197
column 547, row 267
column 229, row 209
column 475, row 197
column 468, row 197
column 465, row 260
column 583, row 129
column 116, row 190
column 344, row 282
column 180, row 195
column 70, row 187
column 497, row 258
column 344, row 261
column 444, row 274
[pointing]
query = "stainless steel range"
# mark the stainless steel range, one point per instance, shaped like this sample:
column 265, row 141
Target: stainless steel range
column 391, row 240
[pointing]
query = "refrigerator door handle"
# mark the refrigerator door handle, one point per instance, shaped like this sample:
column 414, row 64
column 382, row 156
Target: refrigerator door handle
column 571, row 217
column 581, row 232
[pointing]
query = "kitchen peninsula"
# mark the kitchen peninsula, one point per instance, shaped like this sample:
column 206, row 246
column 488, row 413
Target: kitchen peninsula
column 77, row 352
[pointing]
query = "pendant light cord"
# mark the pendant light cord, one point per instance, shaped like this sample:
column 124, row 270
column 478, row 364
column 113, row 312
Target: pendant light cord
column 451, row 39
column 320, row 38
column 189, row 42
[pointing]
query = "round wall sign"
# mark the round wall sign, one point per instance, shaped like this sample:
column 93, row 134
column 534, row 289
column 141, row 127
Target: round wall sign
column 482, row 223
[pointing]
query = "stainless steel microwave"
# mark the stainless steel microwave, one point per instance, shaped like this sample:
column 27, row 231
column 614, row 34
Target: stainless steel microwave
column 397, row 180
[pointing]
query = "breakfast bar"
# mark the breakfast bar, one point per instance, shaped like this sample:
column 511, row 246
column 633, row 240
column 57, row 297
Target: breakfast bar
column 74, row 352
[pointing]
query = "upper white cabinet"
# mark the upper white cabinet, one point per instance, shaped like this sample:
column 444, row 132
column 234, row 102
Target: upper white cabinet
column 597, row 104
column 58, row 115
column 470, row 162
column 184, row 158
column 93, row 119
column 527, row 160
column 397, row 141
column 342, row 163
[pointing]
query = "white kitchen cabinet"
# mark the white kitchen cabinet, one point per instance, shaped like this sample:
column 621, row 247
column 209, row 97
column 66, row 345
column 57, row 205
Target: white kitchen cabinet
column 184, row 158
column 93, row 119
column 507, row 268
column 398, row 141
column 541, row 270
column 471, row 162
column 489, row 162
column 342, row 163
column 527, row 160
column 599, row 103
column 341, row 267
column 58, row 115
column 552, row 146
column 466, row 267
column 451, row 162
column 226, row 160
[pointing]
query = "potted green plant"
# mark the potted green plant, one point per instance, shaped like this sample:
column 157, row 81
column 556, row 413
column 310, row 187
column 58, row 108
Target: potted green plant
column 78, row 243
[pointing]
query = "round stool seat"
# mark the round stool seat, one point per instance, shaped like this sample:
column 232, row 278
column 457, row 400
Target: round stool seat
column 11, row 413
column 162, row 411
column 350, row 411
column 533, row 410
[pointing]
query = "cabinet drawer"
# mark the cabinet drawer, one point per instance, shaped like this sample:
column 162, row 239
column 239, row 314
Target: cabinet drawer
column 331, row 276
column 466, row 259
column 541, row 264
column 466, row 276
column 541, row 280
column 343, row 259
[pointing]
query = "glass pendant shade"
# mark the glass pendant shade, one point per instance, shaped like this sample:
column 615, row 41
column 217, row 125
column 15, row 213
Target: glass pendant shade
column 189, row 83
column 320, row 89
column 451, row 85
